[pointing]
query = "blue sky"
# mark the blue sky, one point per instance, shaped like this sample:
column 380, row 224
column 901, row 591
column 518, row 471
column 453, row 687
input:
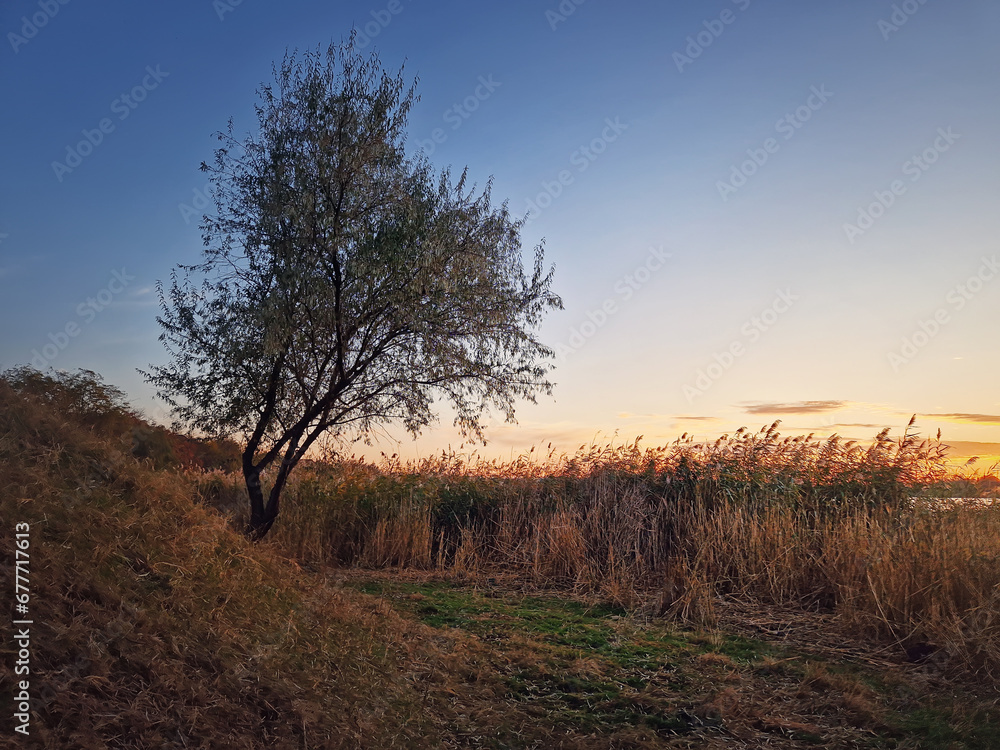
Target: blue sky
column 757, row 210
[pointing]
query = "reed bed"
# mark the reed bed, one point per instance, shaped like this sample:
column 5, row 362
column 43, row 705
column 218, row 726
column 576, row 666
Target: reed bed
column 828, row 525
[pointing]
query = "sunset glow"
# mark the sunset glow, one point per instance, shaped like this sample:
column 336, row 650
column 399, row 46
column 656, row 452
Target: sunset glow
column 757, row 211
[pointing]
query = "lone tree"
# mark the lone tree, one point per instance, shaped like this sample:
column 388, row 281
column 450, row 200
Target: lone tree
column 344, row 285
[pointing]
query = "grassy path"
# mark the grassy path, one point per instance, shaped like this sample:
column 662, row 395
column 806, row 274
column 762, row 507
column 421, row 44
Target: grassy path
column 562, row 672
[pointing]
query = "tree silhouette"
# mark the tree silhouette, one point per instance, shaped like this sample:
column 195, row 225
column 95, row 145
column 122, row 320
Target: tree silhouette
column 344, row 285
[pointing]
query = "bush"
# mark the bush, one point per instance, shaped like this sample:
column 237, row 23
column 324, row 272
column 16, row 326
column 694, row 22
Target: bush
column 84, row 398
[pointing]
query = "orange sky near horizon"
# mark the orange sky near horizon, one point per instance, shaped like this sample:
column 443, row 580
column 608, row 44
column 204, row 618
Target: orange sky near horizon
column 967, row 435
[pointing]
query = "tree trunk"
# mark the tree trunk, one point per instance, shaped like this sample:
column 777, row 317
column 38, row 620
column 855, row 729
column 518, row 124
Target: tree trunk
column 261, row 517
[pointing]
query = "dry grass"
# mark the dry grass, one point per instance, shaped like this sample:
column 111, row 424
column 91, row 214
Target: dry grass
column 157, row 625
column 821, row 525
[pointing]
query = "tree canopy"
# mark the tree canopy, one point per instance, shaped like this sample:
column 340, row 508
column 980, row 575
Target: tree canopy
column 344, row 284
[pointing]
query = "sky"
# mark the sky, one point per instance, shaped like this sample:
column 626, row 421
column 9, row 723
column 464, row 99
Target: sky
column 757, row 209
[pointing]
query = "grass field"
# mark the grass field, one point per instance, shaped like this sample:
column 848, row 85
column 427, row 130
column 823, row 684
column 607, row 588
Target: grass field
column 758, row 592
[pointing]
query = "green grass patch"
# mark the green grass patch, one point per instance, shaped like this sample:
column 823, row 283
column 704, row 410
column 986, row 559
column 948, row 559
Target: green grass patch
column 594, row 669
column 591, row 666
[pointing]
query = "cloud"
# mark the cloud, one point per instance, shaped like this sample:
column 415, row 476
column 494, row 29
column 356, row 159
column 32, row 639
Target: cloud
column 969, row 418
column 650, row 417
column 525, row 434
column 798, row 407
column 683, row 418
column 966, row 448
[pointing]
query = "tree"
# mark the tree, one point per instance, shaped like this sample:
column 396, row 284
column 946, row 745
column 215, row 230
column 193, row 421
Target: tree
column 343, row 284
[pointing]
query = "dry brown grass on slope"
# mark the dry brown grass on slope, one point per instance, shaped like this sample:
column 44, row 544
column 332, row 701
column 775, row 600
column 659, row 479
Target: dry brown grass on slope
column 156, row 626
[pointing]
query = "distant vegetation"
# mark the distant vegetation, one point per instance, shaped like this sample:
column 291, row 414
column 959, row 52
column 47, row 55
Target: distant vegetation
column 86, row 399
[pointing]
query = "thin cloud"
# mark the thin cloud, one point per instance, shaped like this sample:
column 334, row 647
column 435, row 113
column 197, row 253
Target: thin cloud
column 992, row 419
column 651, row 417
column 797, row 407
column 969, row 448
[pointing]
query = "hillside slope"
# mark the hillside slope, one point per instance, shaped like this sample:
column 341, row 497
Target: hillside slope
column 155, row 625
